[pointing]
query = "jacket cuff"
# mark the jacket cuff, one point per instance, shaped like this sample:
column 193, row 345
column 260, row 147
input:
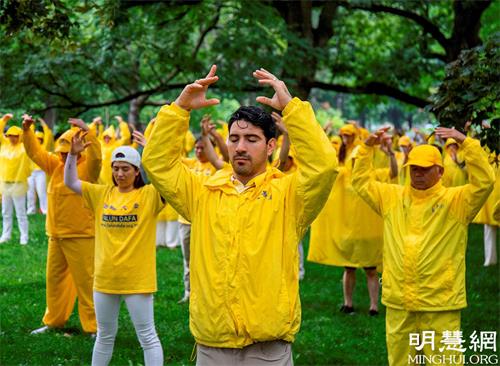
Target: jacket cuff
column 365, row 149
column 178, row 110
column 294, row 103
column 468, row 142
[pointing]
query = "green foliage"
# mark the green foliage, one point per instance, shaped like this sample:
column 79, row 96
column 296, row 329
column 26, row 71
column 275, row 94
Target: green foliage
column 471, row 92
column 93, row 57
column 45, row 18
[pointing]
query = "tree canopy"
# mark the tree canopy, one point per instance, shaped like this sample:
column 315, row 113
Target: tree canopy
column 92, row 57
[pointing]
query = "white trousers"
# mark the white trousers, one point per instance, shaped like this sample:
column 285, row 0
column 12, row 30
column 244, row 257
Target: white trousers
column 167, row 234
column 8, row 204
column 490, row 245
column 302, row 270
column 141, row 311
column 37, row 186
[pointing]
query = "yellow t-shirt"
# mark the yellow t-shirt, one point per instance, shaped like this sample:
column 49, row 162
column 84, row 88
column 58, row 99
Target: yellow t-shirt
column 125, row 242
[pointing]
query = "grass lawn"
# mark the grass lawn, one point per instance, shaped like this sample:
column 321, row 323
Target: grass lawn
column 327, row 337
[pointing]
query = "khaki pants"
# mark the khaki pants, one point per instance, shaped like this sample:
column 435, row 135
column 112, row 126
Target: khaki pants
column 276, row 353
column 400, row 323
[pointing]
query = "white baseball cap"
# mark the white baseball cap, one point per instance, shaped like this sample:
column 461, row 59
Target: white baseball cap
column 126, row 154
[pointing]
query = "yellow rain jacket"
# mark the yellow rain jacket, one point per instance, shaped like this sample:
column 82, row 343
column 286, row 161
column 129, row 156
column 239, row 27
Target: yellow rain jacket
column 487, row 213
column 425, row 233
column 106, row 176
column 67, row 216
column 189, row 139
column 244, row 246
column 15, row 166
column 47, row 140
column 347, row 232
column 454, row 175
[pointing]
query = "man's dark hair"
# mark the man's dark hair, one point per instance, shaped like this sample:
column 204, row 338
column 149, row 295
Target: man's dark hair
column 257, row 117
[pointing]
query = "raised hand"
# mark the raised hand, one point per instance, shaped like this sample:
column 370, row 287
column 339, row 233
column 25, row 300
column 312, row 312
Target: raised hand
column 279, row 123
column 446, row 133
column 7, row 116
column 386, row 144
column 194, row 95
column 78, row 123
column 376, row 138
column 139, row 138
column 42, row 121
column 206, row 125
column 27, row 121
column 281, row 95
column 78, row 143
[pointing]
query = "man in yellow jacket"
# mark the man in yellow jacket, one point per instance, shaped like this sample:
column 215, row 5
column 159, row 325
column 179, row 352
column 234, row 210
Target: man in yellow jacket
column 246, row 222
column 425, row 238
column 70, row 228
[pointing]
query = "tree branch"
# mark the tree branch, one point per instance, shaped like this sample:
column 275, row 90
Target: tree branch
column 425, row 23
column 376, row 88
column 204, row 33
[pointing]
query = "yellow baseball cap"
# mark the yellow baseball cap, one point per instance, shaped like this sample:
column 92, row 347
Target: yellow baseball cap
column 348, row 129
column 14, row 131
column 425, row 156
column 450, row 141
column 404, row 141
column 63, row 143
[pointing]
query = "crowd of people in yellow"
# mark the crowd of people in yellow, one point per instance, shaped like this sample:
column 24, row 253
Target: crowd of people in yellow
column 239, row 210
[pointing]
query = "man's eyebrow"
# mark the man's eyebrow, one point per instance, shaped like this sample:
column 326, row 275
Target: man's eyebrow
column 245, row 135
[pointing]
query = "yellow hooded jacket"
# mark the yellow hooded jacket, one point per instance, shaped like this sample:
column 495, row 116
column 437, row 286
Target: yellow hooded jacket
column 244, row 247
column 106, row 176
column 489, row 213
column 67, row 216
column 15, row 166
column 425, row 233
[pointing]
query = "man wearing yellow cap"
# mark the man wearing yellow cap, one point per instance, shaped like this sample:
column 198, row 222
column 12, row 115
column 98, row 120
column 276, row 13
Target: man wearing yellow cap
column 425, row 238
column 15, row 168
column 70, row 228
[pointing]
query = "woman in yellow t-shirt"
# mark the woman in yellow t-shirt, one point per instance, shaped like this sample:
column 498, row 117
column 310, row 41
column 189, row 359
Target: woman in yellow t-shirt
column 125, row 250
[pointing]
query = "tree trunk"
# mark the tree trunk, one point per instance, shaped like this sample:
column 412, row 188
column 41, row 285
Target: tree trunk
column 50, row 115
column 134, row 110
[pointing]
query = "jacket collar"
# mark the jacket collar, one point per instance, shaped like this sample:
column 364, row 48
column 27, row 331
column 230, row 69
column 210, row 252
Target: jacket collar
column 419, row 193
column 221, row 180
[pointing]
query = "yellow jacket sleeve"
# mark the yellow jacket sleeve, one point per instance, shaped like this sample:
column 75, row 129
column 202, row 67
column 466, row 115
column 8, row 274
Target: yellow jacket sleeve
column 48, row 138
column 189, row 142
column 46, row 161
column 147, row 131
column 3, row 122
column 94, row 157
column 125, row 135
column 162, row 160
column 471, row 197
column 97, row 128
column 316, row 159
column 378, row 195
